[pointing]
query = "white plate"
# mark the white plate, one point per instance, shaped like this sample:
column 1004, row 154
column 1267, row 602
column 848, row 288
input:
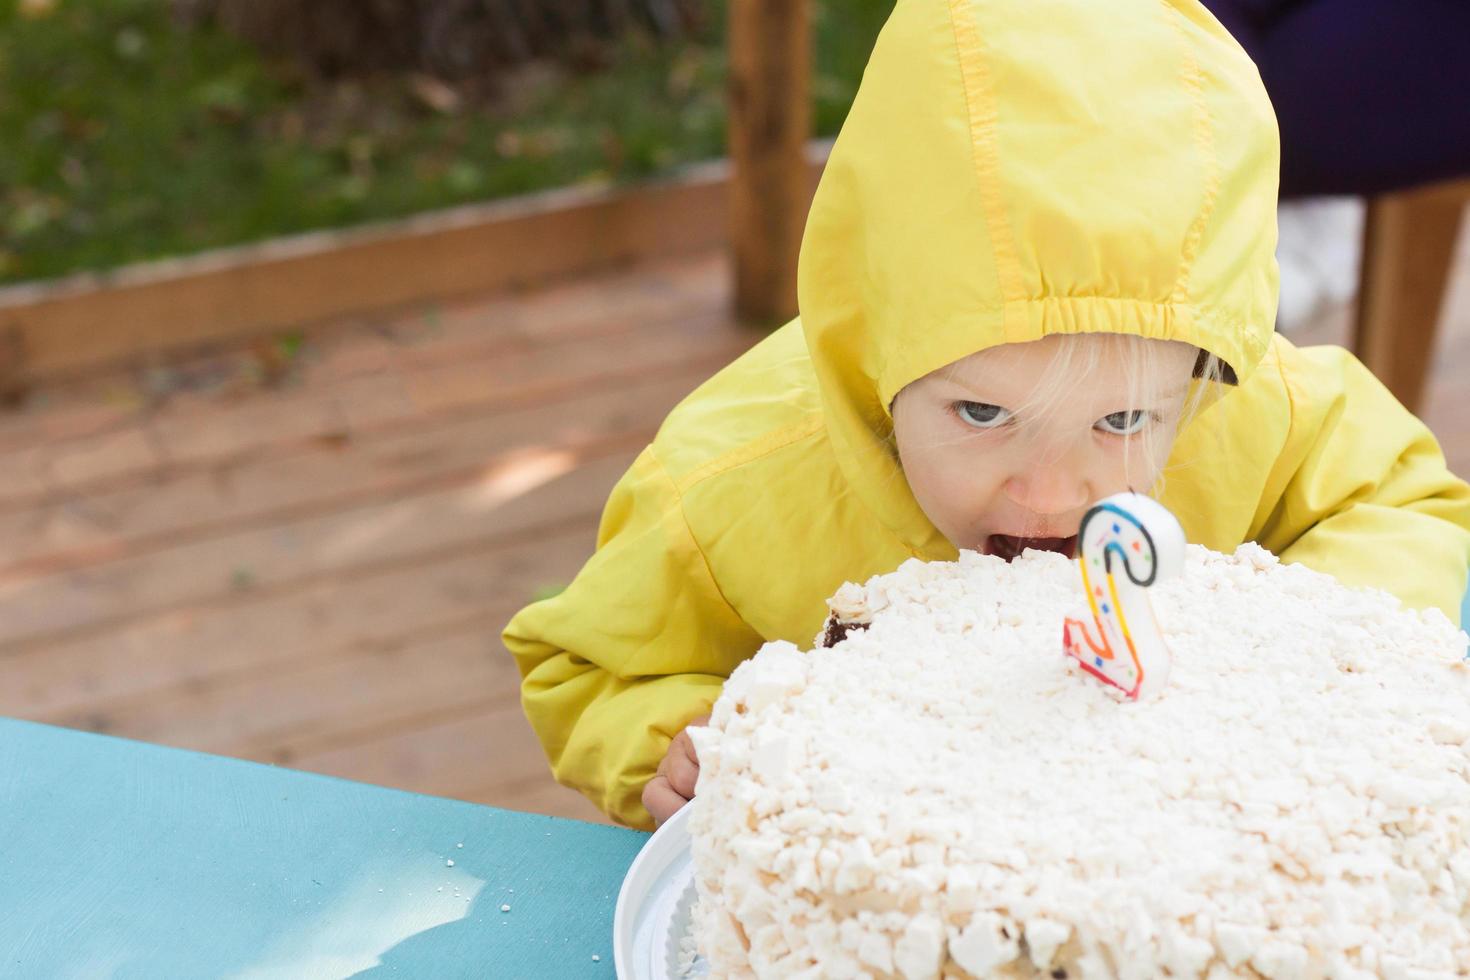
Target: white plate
column 654, row 904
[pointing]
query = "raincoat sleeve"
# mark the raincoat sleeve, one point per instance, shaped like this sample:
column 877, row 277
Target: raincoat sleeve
column 640, row 643
column 1366, row 495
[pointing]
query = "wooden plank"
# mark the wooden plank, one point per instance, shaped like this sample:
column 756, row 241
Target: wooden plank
column 143, row 517
column 769, row 126
column 101, row 415
column 1408, row 246
column 538, row 374
column 89, row 321
column 458, row 329
column 454, row 754
column 199, row 434
column 82, row 682
column 325, row 698
column 33, row 473
column 519, row 499
column 587, row 308
column 487, row 755
column 434, row 333
column 68, row 412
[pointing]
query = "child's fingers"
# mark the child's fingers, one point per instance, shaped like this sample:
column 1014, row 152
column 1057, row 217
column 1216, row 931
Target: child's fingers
column 660, row 799
column 682, row 766
column 673, row 785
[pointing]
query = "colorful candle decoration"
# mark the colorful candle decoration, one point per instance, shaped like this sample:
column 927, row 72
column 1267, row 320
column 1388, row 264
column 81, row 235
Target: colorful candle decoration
column 1127, row 543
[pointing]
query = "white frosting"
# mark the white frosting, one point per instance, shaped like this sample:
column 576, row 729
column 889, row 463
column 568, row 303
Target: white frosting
column 946, row 794
column 852, row 603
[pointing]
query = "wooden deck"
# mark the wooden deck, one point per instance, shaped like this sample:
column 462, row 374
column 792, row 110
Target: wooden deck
column 305, row 558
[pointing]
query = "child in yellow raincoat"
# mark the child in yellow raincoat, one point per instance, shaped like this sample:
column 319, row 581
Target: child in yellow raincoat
column 1038, row 270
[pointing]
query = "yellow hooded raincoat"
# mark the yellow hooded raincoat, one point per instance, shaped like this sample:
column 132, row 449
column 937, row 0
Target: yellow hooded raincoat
column 1009, row 170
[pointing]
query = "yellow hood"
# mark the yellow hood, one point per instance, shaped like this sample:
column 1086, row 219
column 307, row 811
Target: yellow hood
column 1004, row 175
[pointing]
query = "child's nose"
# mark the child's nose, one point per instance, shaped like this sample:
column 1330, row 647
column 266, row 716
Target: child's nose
column 1056, row 489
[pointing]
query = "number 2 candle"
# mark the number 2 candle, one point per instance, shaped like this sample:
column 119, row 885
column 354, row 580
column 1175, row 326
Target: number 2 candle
column 1127, row 543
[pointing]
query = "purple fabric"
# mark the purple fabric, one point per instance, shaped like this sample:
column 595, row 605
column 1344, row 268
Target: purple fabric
column 1371, row 95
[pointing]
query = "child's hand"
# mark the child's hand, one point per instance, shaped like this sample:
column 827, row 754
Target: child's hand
column 673, row 784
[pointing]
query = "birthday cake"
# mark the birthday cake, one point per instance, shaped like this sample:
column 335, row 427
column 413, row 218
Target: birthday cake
column 937, row 790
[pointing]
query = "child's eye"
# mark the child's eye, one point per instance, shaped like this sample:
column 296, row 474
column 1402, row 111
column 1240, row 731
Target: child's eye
column 1123, row 423
column 981, row 415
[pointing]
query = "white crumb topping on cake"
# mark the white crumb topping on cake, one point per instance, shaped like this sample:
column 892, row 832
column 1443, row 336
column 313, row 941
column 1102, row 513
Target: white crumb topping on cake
column 853, row 603
column 945, row 794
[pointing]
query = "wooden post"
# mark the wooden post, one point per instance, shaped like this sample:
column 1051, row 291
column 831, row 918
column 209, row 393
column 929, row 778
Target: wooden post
column 1408, row 242
column 770, row 122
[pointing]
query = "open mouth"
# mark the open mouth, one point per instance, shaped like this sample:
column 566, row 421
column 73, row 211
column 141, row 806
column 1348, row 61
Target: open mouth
column 1008, row 546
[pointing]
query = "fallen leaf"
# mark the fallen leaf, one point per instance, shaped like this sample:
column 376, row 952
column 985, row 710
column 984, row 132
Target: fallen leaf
column 36, row 9
column 435, row 94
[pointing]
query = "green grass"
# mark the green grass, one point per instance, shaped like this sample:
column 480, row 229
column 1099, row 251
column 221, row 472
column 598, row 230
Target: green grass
column 125, row 138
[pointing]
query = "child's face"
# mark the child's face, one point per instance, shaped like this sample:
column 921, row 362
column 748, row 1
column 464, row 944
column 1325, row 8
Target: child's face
column 1007, row 448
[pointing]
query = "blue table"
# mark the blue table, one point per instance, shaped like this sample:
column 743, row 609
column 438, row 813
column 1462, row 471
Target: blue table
column 124, row 860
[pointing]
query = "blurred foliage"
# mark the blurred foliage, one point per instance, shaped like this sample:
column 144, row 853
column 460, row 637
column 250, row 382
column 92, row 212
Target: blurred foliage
column 130, row 136
column 460, row 40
